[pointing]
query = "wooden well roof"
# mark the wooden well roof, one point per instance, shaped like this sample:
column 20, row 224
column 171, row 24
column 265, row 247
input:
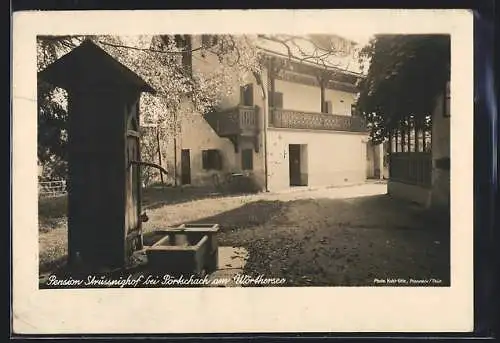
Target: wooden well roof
column 90, row 67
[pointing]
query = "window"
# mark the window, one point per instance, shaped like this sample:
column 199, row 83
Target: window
column 180, row 41
column 161, row 41
column 205, row 41
column 208, row 41
column 277, row 99
column 183, row 42
column 212, row 159
column 327, row 107
column 247, row 159
column 246, row 95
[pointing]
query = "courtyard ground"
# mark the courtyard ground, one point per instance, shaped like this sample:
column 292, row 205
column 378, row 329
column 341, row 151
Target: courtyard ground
column 318, row 237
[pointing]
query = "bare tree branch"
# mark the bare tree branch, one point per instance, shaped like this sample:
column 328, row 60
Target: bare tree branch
column 148, row 49
column 319, row 53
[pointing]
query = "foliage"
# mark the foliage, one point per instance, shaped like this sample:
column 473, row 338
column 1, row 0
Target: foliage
column 159, row 61
column 406, row 74
column 52, row 106
column 244, row 184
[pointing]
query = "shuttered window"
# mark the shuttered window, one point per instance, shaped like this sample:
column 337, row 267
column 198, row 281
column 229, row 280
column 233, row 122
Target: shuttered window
column 211, row 159
column 208, row 41
column 246, row 95
column 247, row 159
column 277, row 99
column 183, row 42
column 205, row 41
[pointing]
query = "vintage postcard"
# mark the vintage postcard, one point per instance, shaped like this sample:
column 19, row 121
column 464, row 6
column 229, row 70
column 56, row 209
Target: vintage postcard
column 242, row 171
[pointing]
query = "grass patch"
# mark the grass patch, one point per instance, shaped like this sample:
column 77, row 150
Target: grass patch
column 52, row 208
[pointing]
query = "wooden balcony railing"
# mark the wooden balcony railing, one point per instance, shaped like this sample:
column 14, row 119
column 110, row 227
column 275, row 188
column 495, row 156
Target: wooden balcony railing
column 291, row 119
column 240, row 120
column 411, row 167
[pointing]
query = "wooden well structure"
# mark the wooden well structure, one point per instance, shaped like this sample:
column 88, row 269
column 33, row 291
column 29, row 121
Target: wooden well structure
column 104, row 159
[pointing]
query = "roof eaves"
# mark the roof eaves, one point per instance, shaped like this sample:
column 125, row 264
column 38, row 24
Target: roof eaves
column 294, row 58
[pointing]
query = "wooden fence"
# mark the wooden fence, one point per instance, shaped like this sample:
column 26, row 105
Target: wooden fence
column 411, row 167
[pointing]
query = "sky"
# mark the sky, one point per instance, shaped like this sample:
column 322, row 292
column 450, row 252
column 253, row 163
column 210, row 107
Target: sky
column 361, row 36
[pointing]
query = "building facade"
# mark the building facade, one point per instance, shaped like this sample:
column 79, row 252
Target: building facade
column 293, row 125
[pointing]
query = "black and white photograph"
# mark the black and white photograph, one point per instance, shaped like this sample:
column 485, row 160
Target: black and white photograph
column 208, row 158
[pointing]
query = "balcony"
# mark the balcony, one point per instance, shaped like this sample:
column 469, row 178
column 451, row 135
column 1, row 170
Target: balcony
column 236, row 123
column 290, row 119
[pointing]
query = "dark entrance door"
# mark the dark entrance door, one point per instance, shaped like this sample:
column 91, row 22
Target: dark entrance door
column 294, row 160
column 185, row 167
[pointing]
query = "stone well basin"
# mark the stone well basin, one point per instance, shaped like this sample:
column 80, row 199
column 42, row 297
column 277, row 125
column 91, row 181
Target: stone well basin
column 179, row 254
column 186, row 249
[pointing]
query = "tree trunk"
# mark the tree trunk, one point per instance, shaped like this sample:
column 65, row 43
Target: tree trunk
column 175, row 161
column 159, row 152
column 408, row 133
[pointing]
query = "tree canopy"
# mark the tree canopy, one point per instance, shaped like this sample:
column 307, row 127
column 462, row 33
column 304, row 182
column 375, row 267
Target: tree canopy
column 406, row 74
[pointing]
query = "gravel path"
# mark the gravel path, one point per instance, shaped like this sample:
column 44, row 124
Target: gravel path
column 338, row 236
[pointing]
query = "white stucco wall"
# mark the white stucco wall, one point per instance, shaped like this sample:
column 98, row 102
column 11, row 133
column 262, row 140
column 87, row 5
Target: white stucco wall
column 197, row 135
column 207, row 64
column 299, row 97
column 341, row 101
column 440, row 149
column 308, row 98
column 333, row 158
column 375, row 161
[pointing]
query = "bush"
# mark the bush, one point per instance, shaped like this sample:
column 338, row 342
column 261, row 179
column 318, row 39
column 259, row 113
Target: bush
column 243, row 184
column 53, row 207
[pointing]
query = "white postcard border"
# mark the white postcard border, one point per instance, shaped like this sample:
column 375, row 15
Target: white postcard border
column 301, row 309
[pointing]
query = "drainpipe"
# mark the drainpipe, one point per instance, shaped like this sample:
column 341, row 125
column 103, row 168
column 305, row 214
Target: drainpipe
column 175, row 149
column 264, row 128
column 264, row 116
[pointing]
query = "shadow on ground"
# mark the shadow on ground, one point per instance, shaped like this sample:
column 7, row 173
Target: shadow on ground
column 156, row 197
column 339, row 242
column 247, row 216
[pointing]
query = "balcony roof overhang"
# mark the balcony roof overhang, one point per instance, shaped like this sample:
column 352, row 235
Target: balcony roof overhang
column 318, row 66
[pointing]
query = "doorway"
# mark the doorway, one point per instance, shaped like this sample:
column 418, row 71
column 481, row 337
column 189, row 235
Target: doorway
column 298, row 164
column 185, row 167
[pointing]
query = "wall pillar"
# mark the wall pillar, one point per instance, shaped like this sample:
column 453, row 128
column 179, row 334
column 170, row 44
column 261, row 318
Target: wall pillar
column 380, row 152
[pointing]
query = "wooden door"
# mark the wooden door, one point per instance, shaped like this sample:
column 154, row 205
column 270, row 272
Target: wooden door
column 185, row 167
column 133, row 224
column 294, row 161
